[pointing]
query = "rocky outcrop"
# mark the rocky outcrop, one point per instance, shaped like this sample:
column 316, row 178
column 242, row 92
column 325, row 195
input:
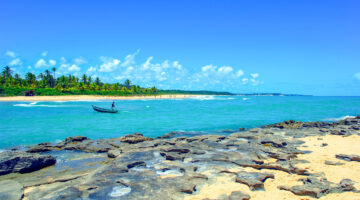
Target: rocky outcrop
column 134, row 138
column 318, row 187
column 130, row 167
column 21, row 162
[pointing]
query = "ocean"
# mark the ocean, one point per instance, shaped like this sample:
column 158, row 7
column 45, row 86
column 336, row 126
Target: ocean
column 26, row 123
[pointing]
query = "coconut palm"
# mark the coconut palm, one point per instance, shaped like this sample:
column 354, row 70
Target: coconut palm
column 54, row 70
column 7, row 72
column 127, row 83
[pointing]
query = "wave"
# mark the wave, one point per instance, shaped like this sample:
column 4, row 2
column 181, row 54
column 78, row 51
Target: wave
column 338, row 118
column 207, row 98
column 36, row 105
column 244, row 99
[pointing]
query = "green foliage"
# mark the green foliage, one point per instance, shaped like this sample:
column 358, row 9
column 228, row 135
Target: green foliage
column 45, row 84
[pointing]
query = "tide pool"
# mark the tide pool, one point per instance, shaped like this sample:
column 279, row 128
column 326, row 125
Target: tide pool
column 24, row 123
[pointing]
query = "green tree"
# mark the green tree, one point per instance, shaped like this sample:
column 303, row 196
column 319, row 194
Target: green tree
column 54, row 70
column 7, row 72
column 127, row 83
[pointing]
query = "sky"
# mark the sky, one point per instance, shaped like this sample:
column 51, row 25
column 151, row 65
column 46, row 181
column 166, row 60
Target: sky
column 297, row 47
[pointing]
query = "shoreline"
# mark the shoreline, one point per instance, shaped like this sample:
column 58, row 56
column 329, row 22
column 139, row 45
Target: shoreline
column 96, row 97
column 287, row 160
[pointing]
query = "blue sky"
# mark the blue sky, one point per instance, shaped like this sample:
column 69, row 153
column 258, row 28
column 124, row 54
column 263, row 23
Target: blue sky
column 304, row 47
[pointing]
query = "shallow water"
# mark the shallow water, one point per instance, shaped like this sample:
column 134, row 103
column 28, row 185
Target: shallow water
column 23, row 123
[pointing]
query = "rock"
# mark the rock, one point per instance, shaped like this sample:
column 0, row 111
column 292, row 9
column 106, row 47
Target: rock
column 42, row 147
column 238, row 195
column 78, row 138
column 324, row 144
column 318, row 187
column 22, row 162
column 349, row 157
column 241, row 129
column 114, row 153
column 254, row 180
column 289, row 124
column 333, row 163
column 188, row 189
column 134, row 138
column 274, row 143
column 11, row 190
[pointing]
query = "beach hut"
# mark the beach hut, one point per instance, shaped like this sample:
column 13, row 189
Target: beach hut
column 29, row 93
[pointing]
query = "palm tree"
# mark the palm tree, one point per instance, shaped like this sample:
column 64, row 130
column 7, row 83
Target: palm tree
column 84, row 78
column 89, row 79
column 127, row 83
column 7, row 72
column 30, row 78
column 54, row 70
column 97, row 81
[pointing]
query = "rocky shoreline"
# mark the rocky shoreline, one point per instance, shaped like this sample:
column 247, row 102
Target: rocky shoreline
column 241, row 165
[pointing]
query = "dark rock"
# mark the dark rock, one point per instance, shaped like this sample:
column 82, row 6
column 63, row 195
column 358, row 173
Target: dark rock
column 11, row 190
column 136, row 164
column 42, row 147
column 78, row 138
column 134, row 138
column 238, row 195
column 349, row 157
column 324, row 144
column 289, row 124
column 241, row 129
column 22, row 162
column 274, row 143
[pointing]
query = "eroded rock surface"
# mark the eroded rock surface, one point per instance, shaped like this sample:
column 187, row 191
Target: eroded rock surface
column 174, row 166
column 21, row 162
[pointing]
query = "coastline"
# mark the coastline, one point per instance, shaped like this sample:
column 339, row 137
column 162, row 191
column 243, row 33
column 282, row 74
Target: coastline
column 95, row 97
column 287, row 160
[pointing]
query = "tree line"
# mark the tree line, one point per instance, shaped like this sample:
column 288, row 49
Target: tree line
column 47, row 83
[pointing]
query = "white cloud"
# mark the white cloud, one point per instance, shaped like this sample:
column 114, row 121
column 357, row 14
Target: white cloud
column 130, row 59
column 42, row 63
column 10, row 54
column 16, row 61
column 74, row 68
column 44, row 53
column 91, row 70
column 109, row 64
column 80, row 61
column 225, row 70
column 239, row 73
column 52, row 62
column 208, row 68
column 245, row 81
column 357, row 75
column 255, row 75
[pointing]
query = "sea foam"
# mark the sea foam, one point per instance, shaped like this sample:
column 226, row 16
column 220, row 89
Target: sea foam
column 338, row 118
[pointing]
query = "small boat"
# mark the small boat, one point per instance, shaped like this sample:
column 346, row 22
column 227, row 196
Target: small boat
column 104, row 110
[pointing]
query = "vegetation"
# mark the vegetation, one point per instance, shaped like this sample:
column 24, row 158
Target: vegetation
column 47, row 84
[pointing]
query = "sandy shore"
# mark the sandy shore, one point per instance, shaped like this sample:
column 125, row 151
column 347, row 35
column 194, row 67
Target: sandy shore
column 93, row 97
column 223, row 185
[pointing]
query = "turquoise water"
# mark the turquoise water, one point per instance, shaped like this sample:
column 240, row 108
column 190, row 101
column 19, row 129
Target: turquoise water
column 23, row 123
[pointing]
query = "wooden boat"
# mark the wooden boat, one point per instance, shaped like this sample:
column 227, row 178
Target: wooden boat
column 104, row 110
